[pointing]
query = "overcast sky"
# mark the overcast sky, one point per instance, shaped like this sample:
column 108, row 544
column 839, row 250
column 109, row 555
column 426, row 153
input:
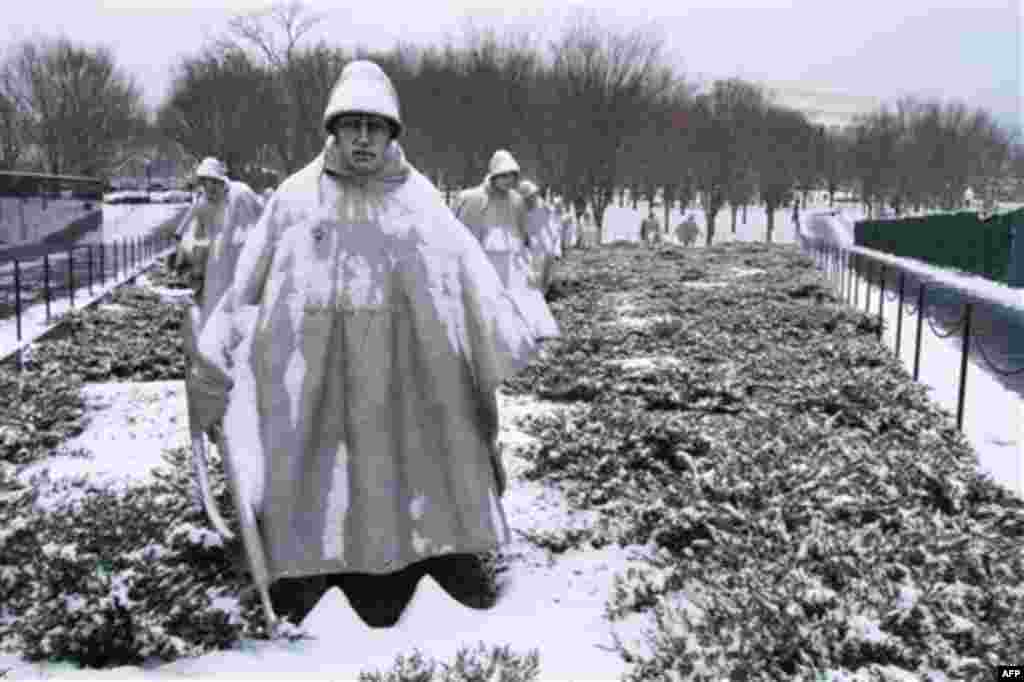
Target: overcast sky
column 968, row 50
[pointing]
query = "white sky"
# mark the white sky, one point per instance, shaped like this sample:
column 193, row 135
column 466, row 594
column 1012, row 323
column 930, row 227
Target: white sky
column 968, row 50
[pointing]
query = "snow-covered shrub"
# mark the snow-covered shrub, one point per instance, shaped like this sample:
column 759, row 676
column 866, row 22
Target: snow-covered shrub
column 42, row 407
column 117, row 576
column 785, row 468
column 143, row 342
column 480, row 664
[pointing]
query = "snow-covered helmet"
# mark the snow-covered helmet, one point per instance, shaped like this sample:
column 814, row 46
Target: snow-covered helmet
column 212, row 168
column 364, row 88
column 502, row 162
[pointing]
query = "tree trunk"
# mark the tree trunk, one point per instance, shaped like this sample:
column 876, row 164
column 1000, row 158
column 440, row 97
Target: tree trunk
column 770, row 214
column 632, row 195
column 734, row 209
column 744, row 213
column 622, row 197
column 710, row 213
column 668, row 215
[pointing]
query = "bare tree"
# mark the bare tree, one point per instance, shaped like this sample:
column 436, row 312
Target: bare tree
column 274, row 32
column 875, row 150
column 302, row 76
column 605, row 82
column 724, row 123
column 81, row 109
column 836, row 161
column 13, row 132
column 672, row 164
column 741, row 191
column 990, row 146
column 777, row 159
column 221, row 105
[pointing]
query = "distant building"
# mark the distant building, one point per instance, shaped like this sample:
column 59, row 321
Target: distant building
column 833, row 110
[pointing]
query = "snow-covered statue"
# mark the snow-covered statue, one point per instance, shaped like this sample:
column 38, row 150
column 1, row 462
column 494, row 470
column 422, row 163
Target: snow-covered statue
column 688, row 231
column 213, row 232
column 543, row 242
column 365, row 335
column 650, row 228
column 589, row 237
column 497, row 216
column 555, row 227
column 211, row 237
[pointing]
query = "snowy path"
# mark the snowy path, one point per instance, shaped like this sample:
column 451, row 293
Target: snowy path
column 993, row 414
column 34, row 321
column 132, row 423
column 119, row 222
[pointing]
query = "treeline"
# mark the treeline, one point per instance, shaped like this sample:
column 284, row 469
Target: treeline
column 593, row 112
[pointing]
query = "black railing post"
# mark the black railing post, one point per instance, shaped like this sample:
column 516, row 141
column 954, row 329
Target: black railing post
column 17, row 296
column 867, row 288
column 89, row 250
column 845, row 277
column 899, row 317
column 46, row 283
column 71, row 275
column 965, row 351
column 856, row 289
column 881, row 299
column 103, row 264
column 920, row 322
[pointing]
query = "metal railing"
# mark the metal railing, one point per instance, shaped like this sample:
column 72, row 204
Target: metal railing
column 850, row 270
column 42, row 279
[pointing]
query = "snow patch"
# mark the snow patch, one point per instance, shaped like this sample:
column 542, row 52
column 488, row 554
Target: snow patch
column 698, row 284
column 646, row 363
column 640, row 322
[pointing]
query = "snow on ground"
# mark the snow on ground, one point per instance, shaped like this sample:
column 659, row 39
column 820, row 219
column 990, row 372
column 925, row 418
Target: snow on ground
column 132, row 423
column 129, row 425
column 134, row 220
column 623, row 223
column 993, row 414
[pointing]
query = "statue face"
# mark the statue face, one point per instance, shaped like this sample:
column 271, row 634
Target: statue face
column 363, row 139
column 215, row 190
column 505, row 181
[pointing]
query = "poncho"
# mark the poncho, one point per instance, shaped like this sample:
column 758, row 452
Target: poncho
column 370, row 334
column 212, row 238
